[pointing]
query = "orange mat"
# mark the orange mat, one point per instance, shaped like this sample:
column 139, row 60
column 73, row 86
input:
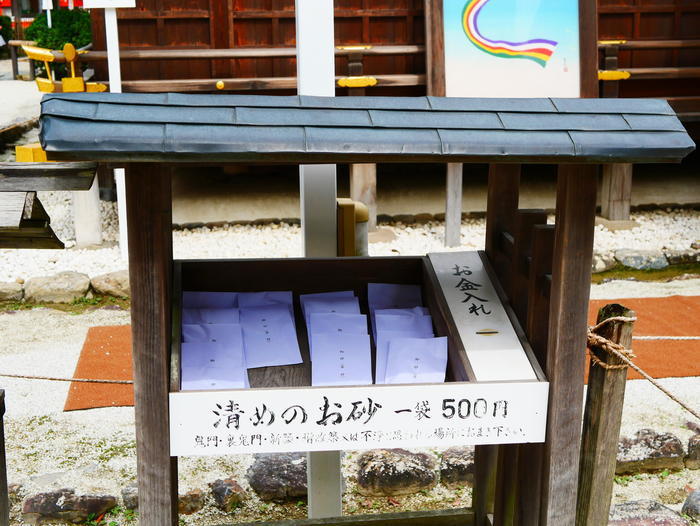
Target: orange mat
column 106, row 352
column 671, row 316
column 106, row 355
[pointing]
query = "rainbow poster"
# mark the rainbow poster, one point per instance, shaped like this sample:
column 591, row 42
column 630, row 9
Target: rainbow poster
column 539, row 39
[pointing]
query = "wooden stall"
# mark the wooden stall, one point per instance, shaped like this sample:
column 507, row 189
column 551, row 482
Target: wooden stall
column 526, row 472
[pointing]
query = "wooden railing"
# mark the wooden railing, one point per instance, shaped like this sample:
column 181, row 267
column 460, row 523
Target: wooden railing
column 610, row 74
column 355, row 56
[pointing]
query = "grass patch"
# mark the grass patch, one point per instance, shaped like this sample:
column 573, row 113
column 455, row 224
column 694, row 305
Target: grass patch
column 77, row 306
column 624, row 273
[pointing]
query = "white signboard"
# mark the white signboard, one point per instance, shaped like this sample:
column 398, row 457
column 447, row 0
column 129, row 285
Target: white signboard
column 493, row 348
column 350, row 418
column 106, row 4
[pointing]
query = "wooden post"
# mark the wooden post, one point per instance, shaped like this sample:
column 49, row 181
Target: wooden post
column 13, row 61
column 16, row 8
column 4, row 497
column 571, row 281
column 616, row 191
column 149, row 201
column 601, row 422
column 611, row 88
column 506, row 485
column 363, row 188
column 485, row 463
column 453, row 205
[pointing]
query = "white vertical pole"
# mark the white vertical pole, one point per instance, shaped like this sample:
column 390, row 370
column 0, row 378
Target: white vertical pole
column 453, row 205
column 316, row 76
column 86, row 216
column 317, row 184
column 115, row 86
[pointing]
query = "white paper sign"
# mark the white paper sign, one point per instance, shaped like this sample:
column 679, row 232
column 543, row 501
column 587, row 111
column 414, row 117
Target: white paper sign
column 94, row 4
column 350, row 418
column 493, row 349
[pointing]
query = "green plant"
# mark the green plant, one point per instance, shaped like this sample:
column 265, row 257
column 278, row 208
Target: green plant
column 6, row 32
column 67, row 26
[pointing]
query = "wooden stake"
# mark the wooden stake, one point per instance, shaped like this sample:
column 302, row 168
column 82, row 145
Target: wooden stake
column 601, row 422
column 363, row 188
column 149, row 201
column 453, row 205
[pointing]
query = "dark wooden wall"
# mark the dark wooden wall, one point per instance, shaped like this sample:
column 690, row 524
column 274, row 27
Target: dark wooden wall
column 653, row 20
column 216, row 24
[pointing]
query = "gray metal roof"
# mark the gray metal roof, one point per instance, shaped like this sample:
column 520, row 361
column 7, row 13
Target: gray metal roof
column 255, row 128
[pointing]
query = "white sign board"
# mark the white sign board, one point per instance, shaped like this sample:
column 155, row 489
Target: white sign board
column 351, row 418
column 493, row 348
column 106, row 4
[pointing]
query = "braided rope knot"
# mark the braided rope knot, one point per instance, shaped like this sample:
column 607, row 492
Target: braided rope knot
column 596, row 341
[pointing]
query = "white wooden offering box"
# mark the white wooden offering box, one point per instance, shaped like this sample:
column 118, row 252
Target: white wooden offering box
column 495, row 391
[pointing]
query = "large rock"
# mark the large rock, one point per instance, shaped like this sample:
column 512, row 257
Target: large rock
column 692, row 459
column 602, row 262
column 457, row 467
column 691, row 507
column 395, row 472
column 644, row 513
column 63, row 287
column 276, row 476
column 15, row 492
column 11, row 291
column 649, row 451
column 227, row 493
column 641, row 259
column 191, row 502
column 683, row 257
column 112, row 284
column 130, row 497
column 64, row 505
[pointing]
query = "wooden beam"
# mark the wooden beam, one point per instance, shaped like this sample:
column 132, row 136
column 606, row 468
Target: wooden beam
column 571, row 281
column 588, row 47
column 501, row 206
column 12, row 209
column 363, row 188
column 4, row 497
column 435, row 48
column 148, row 193
column 601, row 423
column 454, row 517
column 616, row 191
column 26, row 177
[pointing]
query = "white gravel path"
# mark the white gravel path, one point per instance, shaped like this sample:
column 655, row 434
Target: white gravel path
column 658, row 230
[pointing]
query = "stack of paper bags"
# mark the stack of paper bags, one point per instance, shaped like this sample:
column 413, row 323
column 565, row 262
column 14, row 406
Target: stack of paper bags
column 407, row 350
column 338, row 341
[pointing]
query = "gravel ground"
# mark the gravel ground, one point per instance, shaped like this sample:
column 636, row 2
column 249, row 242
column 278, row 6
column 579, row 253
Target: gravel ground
column 673, row 229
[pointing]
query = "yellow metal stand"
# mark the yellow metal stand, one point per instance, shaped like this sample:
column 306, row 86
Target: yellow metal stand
column 72, row 84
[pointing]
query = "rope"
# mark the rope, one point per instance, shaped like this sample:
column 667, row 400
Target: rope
column 626, row 355
column 57, row 379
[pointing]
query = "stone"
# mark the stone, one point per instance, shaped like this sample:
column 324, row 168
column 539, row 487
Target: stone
column 64, row 505
column 691, row 506
column 603, row 262
column 15, row 492
column 383, row 234
column 388, row 472
column 278, row 476
column 130, row 497
column 291, row 220
column 384, row 218
column 424, row 218
column 649, row 451
column 228, row 494
column 112, row 284
column 457, row 467
column 11, row 291
column 63, row 287
column 613, row 225
column 191, row 502
column 641, row 259
column 644, row 513
column 440, row 216
column 406, row 219
column 692, row 459
column 682, row 257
